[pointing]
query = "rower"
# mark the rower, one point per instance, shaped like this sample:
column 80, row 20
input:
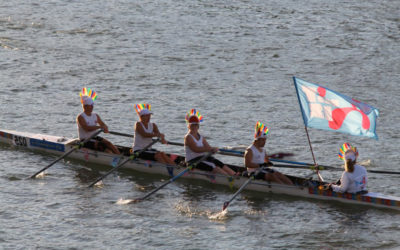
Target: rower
column 144, row 131
column 256, row 159
column 354, row 178
column 196, row 146
column 89, row 123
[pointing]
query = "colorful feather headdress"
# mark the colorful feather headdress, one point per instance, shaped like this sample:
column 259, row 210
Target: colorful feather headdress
column 346, row 146
column 87, row 93
column 261, row 131
column 193, row 117
column 143, row 109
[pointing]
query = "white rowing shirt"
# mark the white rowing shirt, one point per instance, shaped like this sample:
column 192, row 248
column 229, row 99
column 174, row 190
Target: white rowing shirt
column 352, row 182
column 190, row 154
column 90, row 121
column 258, row 157
column 139, row 141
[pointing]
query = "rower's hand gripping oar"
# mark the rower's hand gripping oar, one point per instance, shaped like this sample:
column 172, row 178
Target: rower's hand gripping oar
column 130, row 158
column 67, row 153
column 190, row 167
column 226, row 203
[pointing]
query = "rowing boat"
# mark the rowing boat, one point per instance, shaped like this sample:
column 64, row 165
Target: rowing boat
column 305, row 188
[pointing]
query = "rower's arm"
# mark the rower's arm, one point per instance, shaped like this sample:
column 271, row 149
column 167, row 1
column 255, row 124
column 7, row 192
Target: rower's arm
column 248, row 156
column 344, row 184
column 159, row 134
column 102, row 124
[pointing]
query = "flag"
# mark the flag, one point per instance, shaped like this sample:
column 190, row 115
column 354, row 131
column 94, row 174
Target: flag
column 326, row 109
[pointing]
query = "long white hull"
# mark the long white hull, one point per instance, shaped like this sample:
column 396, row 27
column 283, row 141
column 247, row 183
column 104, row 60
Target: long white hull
column 304, row 188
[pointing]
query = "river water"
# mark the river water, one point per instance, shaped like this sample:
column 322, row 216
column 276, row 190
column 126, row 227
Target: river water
column 233, row 61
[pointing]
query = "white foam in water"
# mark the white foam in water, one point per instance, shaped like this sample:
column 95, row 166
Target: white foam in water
column 41, row 175
column 218, row 216
column 123, row 201
column 99, row 184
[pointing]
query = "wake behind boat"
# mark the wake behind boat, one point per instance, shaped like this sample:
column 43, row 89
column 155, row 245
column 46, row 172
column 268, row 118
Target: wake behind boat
column 306, row 188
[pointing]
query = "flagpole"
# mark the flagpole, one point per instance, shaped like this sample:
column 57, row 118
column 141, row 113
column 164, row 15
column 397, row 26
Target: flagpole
column 308, row 137
column 309, row 143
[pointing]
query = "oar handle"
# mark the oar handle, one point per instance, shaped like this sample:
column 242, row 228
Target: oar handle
column 67, row 153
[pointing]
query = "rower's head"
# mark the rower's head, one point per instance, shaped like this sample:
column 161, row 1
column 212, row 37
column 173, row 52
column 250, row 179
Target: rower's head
column 349, row 155
column 346, row 147
column 88, row 96
column 143, row 110
column 260, row 134
column 87, row 104
column 193, row 119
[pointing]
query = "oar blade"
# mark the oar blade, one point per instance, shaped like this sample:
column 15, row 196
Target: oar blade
column 226, row 204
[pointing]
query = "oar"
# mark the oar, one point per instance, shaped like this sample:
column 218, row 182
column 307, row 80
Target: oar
column 222, row 151
column 311, row 167
column 191, row 166
column 323, row 167
column 67, row 153
column 237, row 153
column 120, row 134
column 226, row 203
column 133, row 156
column 131, row 136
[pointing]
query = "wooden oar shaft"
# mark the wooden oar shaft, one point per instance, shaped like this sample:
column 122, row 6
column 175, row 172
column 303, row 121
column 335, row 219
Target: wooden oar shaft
column 66, row 154
column 132, row 157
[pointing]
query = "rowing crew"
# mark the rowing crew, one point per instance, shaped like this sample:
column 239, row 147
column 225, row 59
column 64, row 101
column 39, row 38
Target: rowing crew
column 256, row 160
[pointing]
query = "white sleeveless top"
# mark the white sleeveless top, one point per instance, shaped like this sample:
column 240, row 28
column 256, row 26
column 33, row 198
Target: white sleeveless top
column 90, row 121
column 258, row 157
column 140, row 142
column 190, row 154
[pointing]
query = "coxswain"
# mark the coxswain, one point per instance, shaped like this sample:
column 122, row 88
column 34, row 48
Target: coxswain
column 354, row 178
